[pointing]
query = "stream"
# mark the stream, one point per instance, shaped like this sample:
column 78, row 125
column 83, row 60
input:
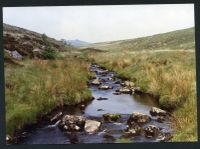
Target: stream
column 124, row 104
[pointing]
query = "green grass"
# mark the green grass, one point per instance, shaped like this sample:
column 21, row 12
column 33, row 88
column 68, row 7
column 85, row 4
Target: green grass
column 39, row 86
column 35, row 87
column 180, row 39
column 124, row 140
column 168, row 74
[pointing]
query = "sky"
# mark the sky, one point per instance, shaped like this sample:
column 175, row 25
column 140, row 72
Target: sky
column 101, row 23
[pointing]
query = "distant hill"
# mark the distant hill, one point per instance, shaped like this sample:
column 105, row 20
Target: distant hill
column 25, row 42
column 76, row 43
column 181, row 39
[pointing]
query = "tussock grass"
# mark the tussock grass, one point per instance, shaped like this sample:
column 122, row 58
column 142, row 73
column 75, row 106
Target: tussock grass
column 186, row 121
column 170, row 75
column 174, row 87
column 41, row 85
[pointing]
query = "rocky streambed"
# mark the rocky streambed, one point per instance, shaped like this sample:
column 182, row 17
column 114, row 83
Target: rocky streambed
column 116, row 113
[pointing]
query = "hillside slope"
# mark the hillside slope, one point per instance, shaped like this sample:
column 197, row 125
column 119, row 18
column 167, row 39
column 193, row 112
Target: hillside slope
column 76, row 43
column 25, row 42
column 180, row 39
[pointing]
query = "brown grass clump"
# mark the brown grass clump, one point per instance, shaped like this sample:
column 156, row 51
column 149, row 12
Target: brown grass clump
column 42, row 85
column 170, row 75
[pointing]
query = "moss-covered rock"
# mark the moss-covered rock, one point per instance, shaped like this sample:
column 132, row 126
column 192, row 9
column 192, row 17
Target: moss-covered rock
column 111, row 117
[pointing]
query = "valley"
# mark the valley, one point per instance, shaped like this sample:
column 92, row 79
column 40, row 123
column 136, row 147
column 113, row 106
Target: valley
column 47, row 77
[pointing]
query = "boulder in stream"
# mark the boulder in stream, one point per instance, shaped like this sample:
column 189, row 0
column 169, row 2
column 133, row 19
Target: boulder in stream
column 164, row 137
column 101, row 98
column 139, row 118
column 129, row 84
column 111, row 117
column 133, row 130
column 91, row 126
column 108, row 137
column 92, row 70
column 102, row 67
column 8, row 139
column 96, row 82
column 160, row 119
column 93, row 77
column 151, row 131
column 72, row 122
column 102, row 80
column 117, row 82
column 125, row 90
column 103, row 72
column 157, row 112
column 105, row 87
column 137, row 90
column 116, row 93
column 110, row 79
column 71, row 127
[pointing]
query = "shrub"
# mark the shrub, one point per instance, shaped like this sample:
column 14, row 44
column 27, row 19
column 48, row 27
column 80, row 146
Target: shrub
column 49, row 53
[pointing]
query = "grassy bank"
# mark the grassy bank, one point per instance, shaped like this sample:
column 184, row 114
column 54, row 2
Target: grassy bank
column 37, row 86
column 168, row 74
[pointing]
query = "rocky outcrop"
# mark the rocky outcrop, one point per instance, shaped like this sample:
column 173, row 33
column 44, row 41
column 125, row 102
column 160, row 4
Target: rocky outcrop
column 26, row 42
column 14, row 54
column 91, row 126
column 138, row 118
column 37, row 52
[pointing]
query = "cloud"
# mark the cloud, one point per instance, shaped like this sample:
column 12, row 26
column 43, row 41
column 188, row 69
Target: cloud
column 101, row 23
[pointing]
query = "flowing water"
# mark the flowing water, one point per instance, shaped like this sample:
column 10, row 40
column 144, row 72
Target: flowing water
column 124, row 104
